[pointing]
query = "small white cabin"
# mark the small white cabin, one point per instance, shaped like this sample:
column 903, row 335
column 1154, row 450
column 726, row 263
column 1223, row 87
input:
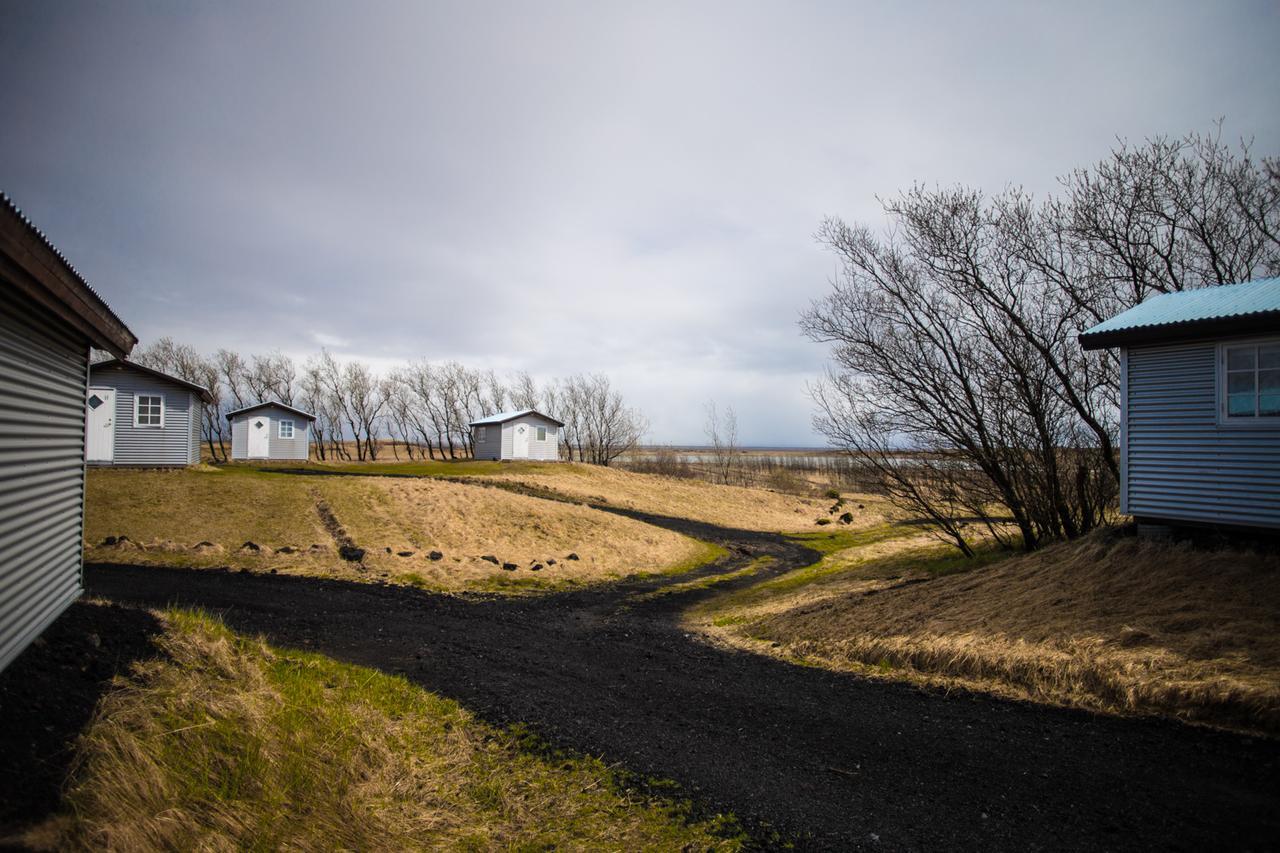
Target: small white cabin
column 270, row 431
column 1199, row 405
column 526, row 434
column 138, row 416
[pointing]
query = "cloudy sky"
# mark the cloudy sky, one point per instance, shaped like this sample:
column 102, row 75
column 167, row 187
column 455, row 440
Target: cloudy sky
column 621, row 187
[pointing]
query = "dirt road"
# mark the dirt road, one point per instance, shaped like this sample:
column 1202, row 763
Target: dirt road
column 822, row 759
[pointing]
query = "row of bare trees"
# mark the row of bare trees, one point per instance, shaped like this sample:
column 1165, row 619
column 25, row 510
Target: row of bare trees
column 423, row 408
column 957, row 378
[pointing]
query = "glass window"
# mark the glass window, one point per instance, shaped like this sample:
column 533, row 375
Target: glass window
column 148, row 410
column 286, row 429
column 542, row 433
column 1253, row 380
column 480, row 433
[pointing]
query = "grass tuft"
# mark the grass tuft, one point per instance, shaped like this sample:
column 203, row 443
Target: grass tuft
column 229, row 743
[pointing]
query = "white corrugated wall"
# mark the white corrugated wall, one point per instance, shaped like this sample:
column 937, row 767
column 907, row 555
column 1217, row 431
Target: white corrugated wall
column 43, row 375
column 1181, row 464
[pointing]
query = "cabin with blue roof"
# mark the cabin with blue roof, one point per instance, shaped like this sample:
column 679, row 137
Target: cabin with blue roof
column 524, row 434
column 1199, row 405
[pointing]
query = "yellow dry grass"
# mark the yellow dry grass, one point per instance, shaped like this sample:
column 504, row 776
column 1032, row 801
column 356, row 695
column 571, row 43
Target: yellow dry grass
column 203, row 518
column 1109, row 622
column 727, row 506
column 226, row 743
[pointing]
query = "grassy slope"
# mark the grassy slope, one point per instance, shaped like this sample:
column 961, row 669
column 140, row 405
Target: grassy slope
column 1109, row 623
column 727, row 506
column 228, row 743
column 167, row 513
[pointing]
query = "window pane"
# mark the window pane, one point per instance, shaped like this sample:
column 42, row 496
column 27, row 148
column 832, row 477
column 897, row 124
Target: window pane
column 1269, row 381
column 1240, row 405
column 1269, row 404
column 1269, row 355
column 1240, row 358
column 1240, row 383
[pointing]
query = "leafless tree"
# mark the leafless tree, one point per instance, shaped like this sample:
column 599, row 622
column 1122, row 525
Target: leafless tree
column 721, row 429
column 954, row 335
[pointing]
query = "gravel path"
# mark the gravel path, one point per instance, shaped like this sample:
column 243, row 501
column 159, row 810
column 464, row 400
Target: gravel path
column 817, row 758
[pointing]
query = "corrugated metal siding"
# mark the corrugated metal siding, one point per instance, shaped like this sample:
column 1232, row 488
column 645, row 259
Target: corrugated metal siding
column 548, row 450
column 197, row 416
column 491, row 447
column 1181, row 464
column 171, row 444
column 277, row 448
column 43, row 372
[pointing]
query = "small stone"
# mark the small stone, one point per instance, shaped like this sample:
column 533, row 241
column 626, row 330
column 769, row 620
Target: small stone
column 572, row 557
column 351, row 553
column 536, row 567
column 287, row 549
column 251, row 546
column 273, row 571
column 404, row 553
column 435, row 555
column 388, row 550
column 110, row 540
column 510, row 567
column 551, row 561
column 489, row 558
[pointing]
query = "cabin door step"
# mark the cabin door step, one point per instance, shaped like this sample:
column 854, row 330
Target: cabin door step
column 259, row 437
column 100, row 425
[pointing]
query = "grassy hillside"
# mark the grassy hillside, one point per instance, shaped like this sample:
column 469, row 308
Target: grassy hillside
column 1109, row 622
column 228, row 743
column 422, row 531
column 727, row 506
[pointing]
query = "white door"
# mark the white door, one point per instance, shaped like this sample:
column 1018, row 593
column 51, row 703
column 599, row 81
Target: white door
column 520, row 441
column 259, row 437
column 100, row 425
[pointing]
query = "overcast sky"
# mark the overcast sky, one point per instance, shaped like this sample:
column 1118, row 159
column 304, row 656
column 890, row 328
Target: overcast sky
column 630, row 188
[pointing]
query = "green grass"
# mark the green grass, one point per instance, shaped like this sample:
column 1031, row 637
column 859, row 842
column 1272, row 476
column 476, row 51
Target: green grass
column 228, row 743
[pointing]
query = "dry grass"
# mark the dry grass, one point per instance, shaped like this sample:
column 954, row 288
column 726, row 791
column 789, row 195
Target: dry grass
column 728, row 506
column 228, row 743
column 1110, row 622
column 166, row 515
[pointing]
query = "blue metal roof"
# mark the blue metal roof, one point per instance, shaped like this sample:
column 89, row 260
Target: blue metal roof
column 503, row 417
column 1208, row 309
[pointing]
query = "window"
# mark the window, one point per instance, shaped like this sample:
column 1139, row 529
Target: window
column 480, row 433
column 1252, row 381
column 286, row 429
column 148, row 410
column 542, row 433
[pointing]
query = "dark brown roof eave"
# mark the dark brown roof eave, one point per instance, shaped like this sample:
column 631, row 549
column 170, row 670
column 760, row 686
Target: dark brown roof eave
column 1261, row 322
column 31, row 263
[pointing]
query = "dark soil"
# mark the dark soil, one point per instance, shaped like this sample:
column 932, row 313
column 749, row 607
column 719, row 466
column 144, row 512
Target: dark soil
column 818, row 758
column 47, row 697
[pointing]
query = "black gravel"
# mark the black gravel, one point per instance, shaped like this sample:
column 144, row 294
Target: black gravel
column 801, row 755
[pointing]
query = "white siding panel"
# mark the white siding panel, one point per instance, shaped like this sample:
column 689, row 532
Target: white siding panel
column 146, row 446
column 1183, row 466
column 297, row 448
column 43, row 372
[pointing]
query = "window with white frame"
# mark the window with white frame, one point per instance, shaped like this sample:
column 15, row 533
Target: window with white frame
column 148, row 410
column 480, row 433
column 286, row 429
column 542, row 433
column 1251, row 387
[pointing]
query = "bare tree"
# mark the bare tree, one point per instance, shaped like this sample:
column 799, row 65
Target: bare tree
column 721, row 429
column 954, row 336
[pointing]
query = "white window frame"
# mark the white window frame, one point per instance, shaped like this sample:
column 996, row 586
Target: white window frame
column 540, row 434
column 1240, row 422
column 137, row 405
column 280, row 428
column 481, row 433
